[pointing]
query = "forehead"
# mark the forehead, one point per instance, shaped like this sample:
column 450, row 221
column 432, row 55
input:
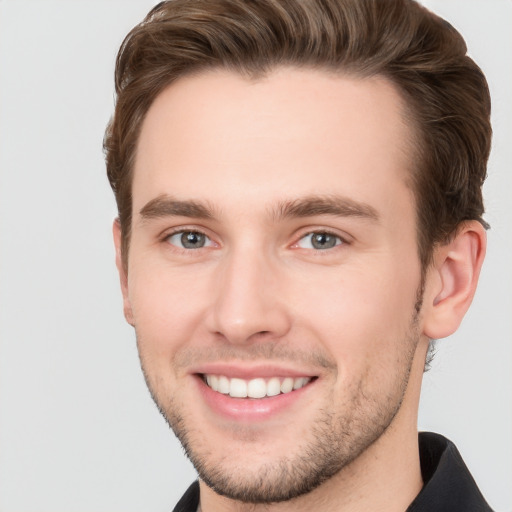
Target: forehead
column 220, row 136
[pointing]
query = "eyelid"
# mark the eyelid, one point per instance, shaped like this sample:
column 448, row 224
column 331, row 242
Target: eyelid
column 184, row 227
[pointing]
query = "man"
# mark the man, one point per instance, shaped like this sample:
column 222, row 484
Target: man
column 300, row 215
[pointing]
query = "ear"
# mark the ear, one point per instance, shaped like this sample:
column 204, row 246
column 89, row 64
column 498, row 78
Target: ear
column 451, row 281
column 123, row 277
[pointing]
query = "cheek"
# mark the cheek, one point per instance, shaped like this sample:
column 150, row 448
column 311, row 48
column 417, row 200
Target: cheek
column 361, row 317
column 167, row 306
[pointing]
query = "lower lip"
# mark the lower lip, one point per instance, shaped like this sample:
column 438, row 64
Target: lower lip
column 250, row 409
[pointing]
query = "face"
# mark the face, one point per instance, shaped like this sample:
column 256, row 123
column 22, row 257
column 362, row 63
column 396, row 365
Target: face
column 273, row 273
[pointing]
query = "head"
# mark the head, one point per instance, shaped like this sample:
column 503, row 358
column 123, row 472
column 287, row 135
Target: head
column 299, row 194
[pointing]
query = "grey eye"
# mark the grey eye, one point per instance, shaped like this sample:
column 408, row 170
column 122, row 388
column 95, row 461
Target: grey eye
column 319, row 241
column 189, row 240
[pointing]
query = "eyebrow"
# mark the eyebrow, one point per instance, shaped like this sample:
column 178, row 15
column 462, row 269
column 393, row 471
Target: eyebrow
column 338, row 206
column 167, row 206
column 310, row 206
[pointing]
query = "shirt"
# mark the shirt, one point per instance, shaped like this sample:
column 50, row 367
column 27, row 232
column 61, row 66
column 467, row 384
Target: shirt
column 448, row 484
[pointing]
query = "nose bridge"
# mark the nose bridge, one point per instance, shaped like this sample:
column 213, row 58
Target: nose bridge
column 248, row 301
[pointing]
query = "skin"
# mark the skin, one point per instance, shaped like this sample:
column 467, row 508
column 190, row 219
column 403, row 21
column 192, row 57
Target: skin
column 259, row 297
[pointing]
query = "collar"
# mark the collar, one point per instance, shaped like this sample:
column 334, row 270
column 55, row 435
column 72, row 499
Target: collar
column 448, row 484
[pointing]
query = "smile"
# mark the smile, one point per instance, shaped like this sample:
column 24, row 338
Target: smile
column 254, row 388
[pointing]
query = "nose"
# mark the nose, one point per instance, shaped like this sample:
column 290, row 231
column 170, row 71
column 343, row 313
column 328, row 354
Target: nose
column 250, row 302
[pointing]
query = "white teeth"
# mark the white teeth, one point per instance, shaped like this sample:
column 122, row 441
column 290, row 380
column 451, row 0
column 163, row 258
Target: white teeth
column 238, row 388
column 255, row 388
column 223, row 385
column 286, row 385
column 273, row 387
column 213, row 382
column 299, row 382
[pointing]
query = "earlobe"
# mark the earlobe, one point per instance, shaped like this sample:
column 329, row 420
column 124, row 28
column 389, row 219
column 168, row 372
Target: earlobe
column 451, row 282
column 123, row 277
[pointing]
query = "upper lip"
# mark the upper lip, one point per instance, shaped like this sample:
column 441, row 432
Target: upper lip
column 247, row 371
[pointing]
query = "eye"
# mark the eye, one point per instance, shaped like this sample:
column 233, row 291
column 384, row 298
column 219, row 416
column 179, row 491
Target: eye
column 319, row 240
column 189, row 240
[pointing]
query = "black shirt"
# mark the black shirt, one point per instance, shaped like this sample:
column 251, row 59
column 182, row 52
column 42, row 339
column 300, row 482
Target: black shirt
column 448, row 484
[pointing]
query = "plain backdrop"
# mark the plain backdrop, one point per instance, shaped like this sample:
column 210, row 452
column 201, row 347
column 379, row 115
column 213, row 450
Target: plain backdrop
column 78, row 430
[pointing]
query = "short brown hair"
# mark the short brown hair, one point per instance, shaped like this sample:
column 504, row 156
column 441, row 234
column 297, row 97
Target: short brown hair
column 421, row 54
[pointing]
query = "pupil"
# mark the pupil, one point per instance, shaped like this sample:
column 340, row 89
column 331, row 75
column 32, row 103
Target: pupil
column 323, row 241
column 192, row 240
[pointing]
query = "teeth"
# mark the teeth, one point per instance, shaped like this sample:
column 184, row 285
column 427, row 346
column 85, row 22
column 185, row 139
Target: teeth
column 273, row 387
column 255, row 388
column 238, row 388
column 224, row 385
column 213, row 382
column 287, row 385
column 299, row 383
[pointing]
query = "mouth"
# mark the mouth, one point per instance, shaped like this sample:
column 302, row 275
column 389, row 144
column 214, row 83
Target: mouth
column 256, row 388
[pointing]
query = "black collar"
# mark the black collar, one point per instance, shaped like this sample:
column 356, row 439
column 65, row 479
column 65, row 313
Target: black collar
column 449, row 486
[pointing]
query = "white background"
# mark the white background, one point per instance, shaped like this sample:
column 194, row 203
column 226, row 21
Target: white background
column 78, row 431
